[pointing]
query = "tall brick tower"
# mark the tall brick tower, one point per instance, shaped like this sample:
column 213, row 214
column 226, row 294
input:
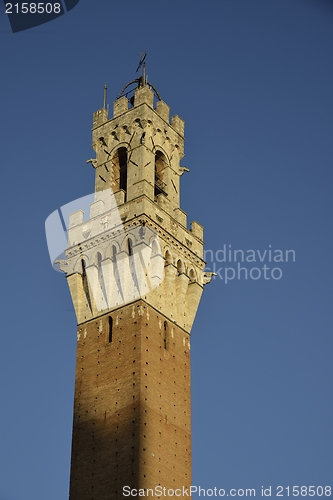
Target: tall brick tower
column 132, row 408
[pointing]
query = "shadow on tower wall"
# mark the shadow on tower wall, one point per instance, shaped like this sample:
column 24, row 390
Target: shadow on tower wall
column 105, row 456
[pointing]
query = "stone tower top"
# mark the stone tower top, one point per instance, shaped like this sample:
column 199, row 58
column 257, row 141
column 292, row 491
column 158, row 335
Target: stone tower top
column 138, row 150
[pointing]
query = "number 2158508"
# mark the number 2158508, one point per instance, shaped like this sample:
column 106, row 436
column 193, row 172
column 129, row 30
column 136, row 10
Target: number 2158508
column 303, row 491
column 33, row 8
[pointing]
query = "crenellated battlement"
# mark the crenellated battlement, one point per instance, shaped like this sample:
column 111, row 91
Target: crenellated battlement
column 142, row 95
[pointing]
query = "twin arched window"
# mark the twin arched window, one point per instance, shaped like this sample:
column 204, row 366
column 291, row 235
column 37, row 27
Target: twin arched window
column 119, row 172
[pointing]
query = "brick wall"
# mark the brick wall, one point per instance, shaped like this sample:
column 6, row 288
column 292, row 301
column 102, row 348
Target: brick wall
column 132, row 412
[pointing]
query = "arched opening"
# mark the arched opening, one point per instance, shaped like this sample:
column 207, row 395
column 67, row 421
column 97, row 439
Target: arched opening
column 99, row 266
column 113, row 253
column 132, row 267
column 129, row 247
column 116, row 270
column 168, row 258
column 100, row 275
column 180, row 269
column 160, row 167
column 119, row 170
column 155, row 249
column 156, row 264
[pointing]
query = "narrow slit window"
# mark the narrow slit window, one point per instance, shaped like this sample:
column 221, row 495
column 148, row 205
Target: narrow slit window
column 165, row 335
column 110, row 328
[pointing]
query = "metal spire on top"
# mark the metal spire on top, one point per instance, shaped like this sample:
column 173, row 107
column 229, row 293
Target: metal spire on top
column 141, row 81
column 142, row 67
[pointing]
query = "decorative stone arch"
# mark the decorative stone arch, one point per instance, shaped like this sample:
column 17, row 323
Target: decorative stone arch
column 114, row 250
column 180, row 267
column 98, row 258
column 160, row 149
column 155, row 247
column 192, row 275
column 168, row 257
column 129, row 245
column 78, row 264
column 123, row 245
column 120, row 144
column 110, row 252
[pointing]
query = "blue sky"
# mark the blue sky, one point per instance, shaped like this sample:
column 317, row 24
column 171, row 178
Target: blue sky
column 253, row 81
